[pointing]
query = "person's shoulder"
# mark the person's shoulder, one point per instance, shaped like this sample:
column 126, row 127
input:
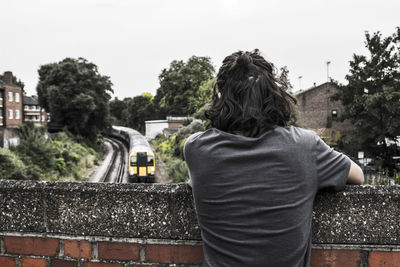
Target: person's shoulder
column 297, row 134
column 193, row 137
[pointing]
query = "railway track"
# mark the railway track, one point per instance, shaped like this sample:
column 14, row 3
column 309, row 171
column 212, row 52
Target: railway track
column 113, row 169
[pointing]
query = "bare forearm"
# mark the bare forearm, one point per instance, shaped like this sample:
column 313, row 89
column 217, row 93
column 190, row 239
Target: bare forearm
column 356, row 175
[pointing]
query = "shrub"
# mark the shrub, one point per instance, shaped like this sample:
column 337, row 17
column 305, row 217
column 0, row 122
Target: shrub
column 11, row 167
column 178, row 171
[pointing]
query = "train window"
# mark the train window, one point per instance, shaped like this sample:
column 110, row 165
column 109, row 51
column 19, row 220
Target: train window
column 133, row 160
column 150, row 160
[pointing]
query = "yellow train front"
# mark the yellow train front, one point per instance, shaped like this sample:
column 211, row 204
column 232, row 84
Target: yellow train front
column 141, row 165
column 141, row 158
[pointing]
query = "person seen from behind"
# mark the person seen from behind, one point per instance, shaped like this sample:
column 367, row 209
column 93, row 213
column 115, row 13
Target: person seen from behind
column 253, row 178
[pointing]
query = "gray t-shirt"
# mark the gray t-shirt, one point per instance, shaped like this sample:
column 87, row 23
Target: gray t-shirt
column 254, row 196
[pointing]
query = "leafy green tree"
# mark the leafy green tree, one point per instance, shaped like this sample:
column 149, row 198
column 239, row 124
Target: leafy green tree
column 118, row 111
column 203, row 96
column 76, row 95
column 372, row 97
column 283, row 78
column 180, row 83
column 140, row 109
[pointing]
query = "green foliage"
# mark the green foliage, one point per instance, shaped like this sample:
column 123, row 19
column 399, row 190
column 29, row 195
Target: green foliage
column 118, row 111
column 76, row 95
column 180, row 83
column 40, row 158
column 140, row 109
column 283, row 78
column 178, row 170
column 372, row 96
column 61, row 166
column 171, row 150
column 34, row 147
column 203, row 97
column 11, row 167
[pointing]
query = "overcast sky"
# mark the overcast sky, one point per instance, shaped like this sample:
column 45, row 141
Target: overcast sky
column 132, row 41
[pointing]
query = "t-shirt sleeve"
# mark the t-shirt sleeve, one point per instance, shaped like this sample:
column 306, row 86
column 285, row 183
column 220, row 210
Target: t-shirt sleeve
column 332, row 167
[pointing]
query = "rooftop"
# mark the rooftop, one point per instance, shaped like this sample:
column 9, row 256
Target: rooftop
column 30, row 100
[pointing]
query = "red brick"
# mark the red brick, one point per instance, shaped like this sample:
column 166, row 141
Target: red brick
column 31, row 245
column 62, row 263
column 384, row 258
column 174, row 254
column 77, row 249
column 100, row 264
column 141, row 265
column 118, row 251
column 33, row 262
column 335, row 258
column 7, row 262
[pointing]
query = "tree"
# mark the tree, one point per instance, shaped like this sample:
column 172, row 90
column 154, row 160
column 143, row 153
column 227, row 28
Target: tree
column 203, row 95
column 283, row 78
column 140, row 109
column 117, row 108
column 180, row 83
column 372, row 97
column 76, row 95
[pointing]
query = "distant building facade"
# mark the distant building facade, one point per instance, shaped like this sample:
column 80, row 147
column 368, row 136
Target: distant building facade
column 33, row 112
column 318, row 112
column 15, row 108
column 10, row 110
column 167, row 127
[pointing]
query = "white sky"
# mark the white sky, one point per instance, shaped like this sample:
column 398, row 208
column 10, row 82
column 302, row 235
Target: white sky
column 132, row 41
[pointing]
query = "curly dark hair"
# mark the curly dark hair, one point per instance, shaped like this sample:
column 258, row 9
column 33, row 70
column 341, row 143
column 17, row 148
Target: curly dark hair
column 248, row 98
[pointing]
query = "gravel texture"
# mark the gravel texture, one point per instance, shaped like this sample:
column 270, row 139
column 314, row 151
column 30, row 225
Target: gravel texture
column 358, row 215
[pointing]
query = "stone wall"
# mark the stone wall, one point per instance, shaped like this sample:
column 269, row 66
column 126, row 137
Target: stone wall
column 87, row 224
column 315, row 111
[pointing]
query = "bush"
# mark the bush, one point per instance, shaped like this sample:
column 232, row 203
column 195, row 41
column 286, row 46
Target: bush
column 35, row 147
column 38, row 157
column 171, row 150
column 11, row 167
column 178, row 171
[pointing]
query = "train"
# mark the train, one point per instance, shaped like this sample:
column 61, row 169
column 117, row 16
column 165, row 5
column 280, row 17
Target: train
column 141, row 158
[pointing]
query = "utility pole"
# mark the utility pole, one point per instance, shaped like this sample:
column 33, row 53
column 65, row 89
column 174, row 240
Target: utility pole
column 327, row 69
column 300, row 82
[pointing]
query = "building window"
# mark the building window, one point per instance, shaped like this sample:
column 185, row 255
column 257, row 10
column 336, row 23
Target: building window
column 10, row 97
column 17, row 114
column 334, row 114
column 10, row 114
column 43, row 118
column 17, row 97
column 1, row 113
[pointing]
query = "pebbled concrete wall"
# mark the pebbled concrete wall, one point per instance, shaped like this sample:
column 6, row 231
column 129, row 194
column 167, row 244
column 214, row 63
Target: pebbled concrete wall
column 358, row 215
column 81, row 224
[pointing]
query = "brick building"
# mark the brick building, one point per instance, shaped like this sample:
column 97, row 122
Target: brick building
column 16, row 108
column 318, row 112
column 11, row 114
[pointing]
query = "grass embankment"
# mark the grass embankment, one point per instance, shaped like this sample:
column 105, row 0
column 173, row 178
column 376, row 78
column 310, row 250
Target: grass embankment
column 38, row 157
column 170, row 150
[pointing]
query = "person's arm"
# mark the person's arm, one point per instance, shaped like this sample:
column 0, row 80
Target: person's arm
column 356, row 175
